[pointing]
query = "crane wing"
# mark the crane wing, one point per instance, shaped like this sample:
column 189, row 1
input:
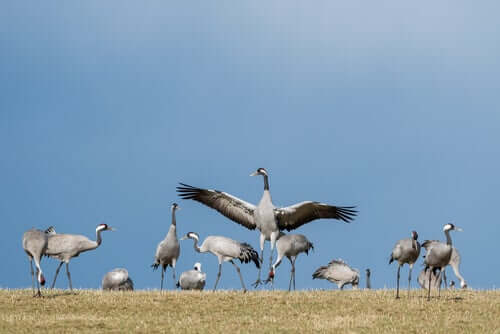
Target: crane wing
column 232, row 207
column 292, row 217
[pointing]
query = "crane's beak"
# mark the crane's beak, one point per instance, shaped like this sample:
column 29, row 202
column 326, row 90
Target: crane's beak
column 458, row 229
column 111, row 228
column 254, row 173
column 184, row 237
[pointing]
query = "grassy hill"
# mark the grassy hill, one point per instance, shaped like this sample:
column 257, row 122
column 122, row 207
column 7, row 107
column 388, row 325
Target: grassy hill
column 374, row 311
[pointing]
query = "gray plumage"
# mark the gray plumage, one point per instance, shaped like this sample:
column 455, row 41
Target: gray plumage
column 454, row 263
column 192, row 279
column 265, row 217
column 438, row 254
column 405, row 251
column 368, row 282
column 338, row 272
column 64, row 247
column 423, row 278
column 117, row 280
column 290, row 245
column 226, row 250
column 168, row 249
column 35, row 244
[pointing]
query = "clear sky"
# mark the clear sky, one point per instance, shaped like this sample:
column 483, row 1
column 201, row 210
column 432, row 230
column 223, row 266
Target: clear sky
column 390, row 106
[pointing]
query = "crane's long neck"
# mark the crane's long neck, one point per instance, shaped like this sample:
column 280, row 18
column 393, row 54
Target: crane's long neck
column 448, row 237
column 174, row 222
column 266, row 182
column 195, row 245
column 97, row 242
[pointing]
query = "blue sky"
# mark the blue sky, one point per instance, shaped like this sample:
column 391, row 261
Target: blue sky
column 390, row 106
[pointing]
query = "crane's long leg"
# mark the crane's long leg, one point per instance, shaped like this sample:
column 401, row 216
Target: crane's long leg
column 439, row 281
column 444, row 278
column 32, row 277
column 218, row 275
column 409, row 278
column 38, row 294
column 429, row 291
column 292, row 276
column 57, row 272
column 69, row 276
column 261, row 259
column 162, row 276
column 397, row 289
column 239, row 274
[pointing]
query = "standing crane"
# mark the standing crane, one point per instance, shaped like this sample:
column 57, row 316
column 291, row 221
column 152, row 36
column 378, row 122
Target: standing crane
column 35, row 244
column 406, row 251
column 64, row 247
column 225, row 249
column 118, row 280
column 338, row 272
column 368, row 282
column 265, row 217
column 290, row 245
column 192, row 279
column 168, row 249
column 438, row 254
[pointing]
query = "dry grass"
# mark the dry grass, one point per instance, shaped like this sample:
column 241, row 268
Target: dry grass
column 261, row 311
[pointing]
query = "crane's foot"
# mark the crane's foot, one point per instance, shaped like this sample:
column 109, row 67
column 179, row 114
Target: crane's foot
column 37, row 295
column 257, row 283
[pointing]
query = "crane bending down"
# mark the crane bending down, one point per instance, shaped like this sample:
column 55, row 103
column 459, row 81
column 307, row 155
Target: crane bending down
column 265, row 217
column 406, row 251
column 226, row 250
column 438, row 254
column 290, row 245
column 118, row 280
column 454, row 264
column 64, row 247
column 338, row 272
column 168, row 249
column 35, row 244
column 192, row 279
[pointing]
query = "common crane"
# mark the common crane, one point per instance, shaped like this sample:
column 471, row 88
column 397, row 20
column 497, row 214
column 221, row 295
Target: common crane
column 265, row 217
column 338, row 272
column 438, row 254
column 423, row 278
column 406, row 251
column 168, row 249
column 290, row 245
column 454, row 263
column 192, row 279
column 368, row 282
column 35, row 244
column 118, row 280
column 64, row 247
column 225, row 249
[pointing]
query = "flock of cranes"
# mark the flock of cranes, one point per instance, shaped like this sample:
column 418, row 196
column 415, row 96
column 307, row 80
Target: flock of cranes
column 265, row 217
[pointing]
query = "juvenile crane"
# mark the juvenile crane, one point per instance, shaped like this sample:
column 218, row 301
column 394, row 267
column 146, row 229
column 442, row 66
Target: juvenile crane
column 118, row 280
column 265, row 217
column 338, row 272
column 64, row 247
column 168, row 249
column 438, row 254
column 406, row 251
column 226, row 250
column 35, row 244
column 290, row 245
column 192, row 279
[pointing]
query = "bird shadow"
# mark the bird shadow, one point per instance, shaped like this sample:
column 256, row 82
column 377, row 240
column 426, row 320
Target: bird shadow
column 59, row 294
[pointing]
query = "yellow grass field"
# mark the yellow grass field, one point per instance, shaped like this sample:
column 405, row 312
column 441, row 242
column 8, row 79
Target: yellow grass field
column 363, row 311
